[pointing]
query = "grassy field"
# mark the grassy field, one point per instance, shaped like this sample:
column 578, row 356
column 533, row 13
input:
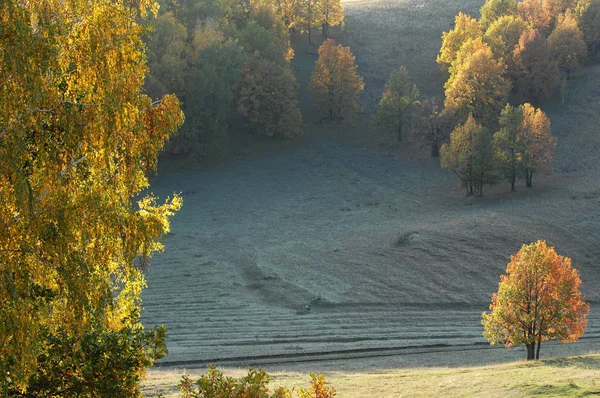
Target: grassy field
column 569, row 377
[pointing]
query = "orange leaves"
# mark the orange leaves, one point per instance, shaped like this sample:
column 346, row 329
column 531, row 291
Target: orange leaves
column 335, row 81
column 538, row 299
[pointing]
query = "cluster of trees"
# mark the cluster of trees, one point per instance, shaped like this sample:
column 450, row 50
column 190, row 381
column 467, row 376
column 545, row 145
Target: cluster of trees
column 78, row 139
column 522, row 50
column 228, row 61
column 213, row 384
column 521, row 145
column 538, row 299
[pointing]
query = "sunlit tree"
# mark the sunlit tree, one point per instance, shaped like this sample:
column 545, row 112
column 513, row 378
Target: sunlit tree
column 538, row 299
column 78, row 139
column 465, row 28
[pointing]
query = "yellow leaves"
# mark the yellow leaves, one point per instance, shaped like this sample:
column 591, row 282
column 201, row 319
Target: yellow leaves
column 77, row 138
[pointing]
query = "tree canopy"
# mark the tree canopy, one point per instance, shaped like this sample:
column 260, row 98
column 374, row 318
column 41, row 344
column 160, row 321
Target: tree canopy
column 78, row 139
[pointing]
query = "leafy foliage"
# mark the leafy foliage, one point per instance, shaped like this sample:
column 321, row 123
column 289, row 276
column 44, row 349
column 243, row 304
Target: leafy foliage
column 335, row 81
column 465, row 29
column 398, row 103
column 267, row 97
column 436, row 123
column 535, row 134
column 492, row 10
column 535, row 14
column 328, row 13
column 214, row 384
column 477, row 84
column 503, row 35
column 538, row 299
column 77, row 142
column 536, row 71
column 567, row 45
column 589, row 23
column 470, row 156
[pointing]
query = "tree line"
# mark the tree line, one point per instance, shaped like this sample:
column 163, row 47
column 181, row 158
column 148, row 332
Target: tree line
column 518, row 51
column 229, row 63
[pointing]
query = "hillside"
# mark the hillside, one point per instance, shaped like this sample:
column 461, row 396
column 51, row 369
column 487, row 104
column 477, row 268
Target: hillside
column 342, row 246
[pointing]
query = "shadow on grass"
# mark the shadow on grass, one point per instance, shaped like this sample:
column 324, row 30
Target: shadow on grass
column 585, row 362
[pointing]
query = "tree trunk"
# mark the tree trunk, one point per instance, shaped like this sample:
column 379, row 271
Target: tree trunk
column 537, row 354
column 528, row 178
column 399, row 132
column 512, row 183
column 434, row 149
column 530, row 351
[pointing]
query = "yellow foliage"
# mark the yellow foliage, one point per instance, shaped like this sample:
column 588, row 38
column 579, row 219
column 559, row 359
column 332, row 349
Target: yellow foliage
column 77, row 141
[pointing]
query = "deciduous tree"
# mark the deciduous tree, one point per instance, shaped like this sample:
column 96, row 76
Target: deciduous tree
column 589, row 23
column 435, row 123
column 534, row 13
column 465, row 28
column 508, row 146
column 536, row 72
column 477, row 84
column 398, row 103
column 268, row 98
column 77, row 141
column 328, row 13
column 538, row 142
column 567, row 45
column 503, row 35
column 335, row 81
column 538, row 299
column 470, row 156
column 494, row 9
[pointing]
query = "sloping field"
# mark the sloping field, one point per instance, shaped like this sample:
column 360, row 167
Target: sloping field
column 337, row 253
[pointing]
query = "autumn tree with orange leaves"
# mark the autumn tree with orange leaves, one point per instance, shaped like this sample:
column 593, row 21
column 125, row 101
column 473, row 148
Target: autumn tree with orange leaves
column 538, row 300
column 335, row 81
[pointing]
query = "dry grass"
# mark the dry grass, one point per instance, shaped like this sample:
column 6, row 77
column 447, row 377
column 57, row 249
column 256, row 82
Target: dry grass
column 570, row 377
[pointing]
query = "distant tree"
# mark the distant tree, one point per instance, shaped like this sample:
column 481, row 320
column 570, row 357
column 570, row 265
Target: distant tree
column 535, row 14
column 503, row 35
column 167, row 56
column 268, row 98
column 589, row 23
column 477, row 84
column 465, row 28
column 328, row 13
column 213, row 85
column 436, row 123
column 536, row 72
column 538, row 299
column 398, row 103
column 307, row 17
column 537, row 140
column 567, row 45
column 255, row 39
column 266, row 17
column 494, row 9
column 508, row 146
column 557, row 8
column 288, row 11
column 470, row 155
column 335, row 82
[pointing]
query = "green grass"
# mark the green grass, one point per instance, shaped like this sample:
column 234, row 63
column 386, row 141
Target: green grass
column 568, row 377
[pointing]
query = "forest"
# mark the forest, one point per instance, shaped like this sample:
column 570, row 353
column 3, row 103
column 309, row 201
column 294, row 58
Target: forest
column 295, row 185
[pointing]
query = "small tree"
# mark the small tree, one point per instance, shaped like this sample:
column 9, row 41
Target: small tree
column 435, row 123
column 538, row 142
column 465, row 28
column 503, row 35
column 398, row 103
column 477, row 84
column 567, row 45
column 335, row 81
column 268, row 98
column 470, row 156
column 328, row 13
column 507, row 145
column 538, row 300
